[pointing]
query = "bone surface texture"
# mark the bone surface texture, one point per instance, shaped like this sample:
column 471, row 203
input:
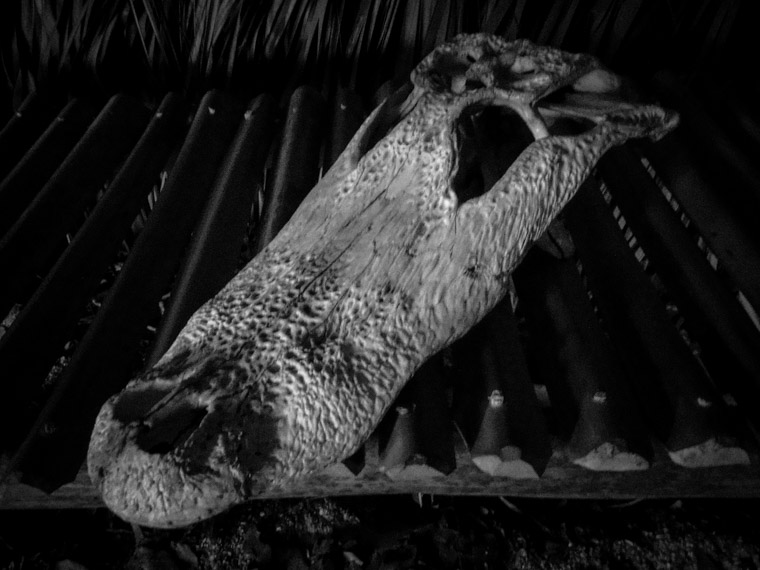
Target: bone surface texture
column 389, row 259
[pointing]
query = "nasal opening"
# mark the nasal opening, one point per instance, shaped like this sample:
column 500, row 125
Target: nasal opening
column 134, row 404
column 170, row 427
column 166, row 418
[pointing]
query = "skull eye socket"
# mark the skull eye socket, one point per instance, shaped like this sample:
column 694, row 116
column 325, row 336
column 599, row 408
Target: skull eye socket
column 489, row 139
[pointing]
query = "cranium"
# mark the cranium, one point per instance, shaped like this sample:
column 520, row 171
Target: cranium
column 294, row 362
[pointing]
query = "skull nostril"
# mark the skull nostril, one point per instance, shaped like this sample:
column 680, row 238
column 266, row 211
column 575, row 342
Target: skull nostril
column 134, row 404
column 170, row 428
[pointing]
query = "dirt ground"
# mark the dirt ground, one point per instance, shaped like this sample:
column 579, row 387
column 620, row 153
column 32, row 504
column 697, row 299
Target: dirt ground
column 401, row 532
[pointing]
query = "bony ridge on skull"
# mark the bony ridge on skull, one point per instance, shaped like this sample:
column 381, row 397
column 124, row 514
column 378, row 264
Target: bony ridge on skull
column 290, row 367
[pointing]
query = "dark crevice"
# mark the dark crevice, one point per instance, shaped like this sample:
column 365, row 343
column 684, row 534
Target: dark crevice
column 473, row 84
column 170, row 429
column 133, row 405
column 558, row 96
column 489, row 140
column 395, row 109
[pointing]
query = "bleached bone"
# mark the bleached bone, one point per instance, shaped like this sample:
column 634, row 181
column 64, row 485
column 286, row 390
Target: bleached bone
column 293, row 364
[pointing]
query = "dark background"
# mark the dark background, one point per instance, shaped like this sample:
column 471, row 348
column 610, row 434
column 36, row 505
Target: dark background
column 147, row 47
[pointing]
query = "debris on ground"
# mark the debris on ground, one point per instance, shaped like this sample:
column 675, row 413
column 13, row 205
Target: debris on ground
column 397, row 532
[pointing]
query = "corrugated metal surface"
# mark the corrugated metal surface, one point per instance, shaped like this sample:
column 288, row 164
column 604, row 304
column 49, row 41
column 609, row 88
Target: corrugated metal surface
column 118, row 224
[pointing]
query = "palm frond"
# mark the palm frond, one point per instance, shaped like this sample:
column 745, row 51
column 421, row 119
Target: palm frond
column 562, row 30
column 158, row 28
column 203, row 41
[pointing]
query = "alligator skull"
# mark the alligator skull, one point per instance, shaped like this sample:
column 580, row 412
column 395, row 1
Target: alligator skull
column 291, row 366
